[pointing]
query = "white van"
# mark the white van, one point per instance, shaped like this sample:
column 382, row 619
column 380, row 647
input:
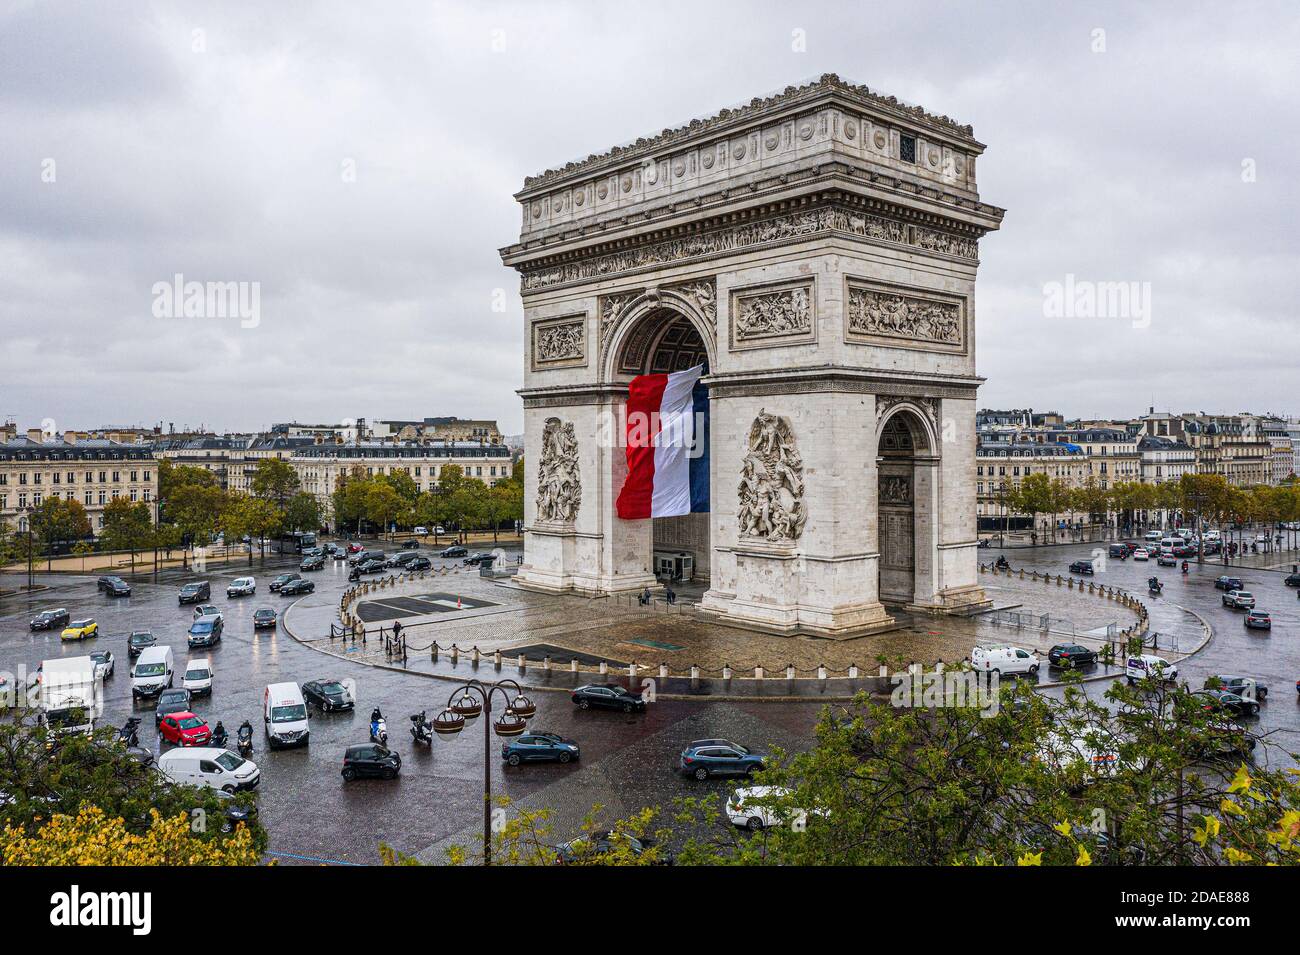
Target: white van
column 1003, row 659
column 1146, row 665
column 198, row 677
column 284, row 712
column 209, row 766
column 153, row 671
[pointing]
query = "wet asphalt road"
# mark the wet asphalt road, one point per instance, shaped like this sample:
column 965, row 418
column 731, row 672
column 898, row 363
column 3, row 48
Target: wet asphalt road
column 627, row 761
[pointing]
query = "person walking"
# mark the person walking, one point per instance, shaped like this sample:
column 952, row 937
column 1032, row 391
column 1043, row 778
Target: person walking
column 670, row 595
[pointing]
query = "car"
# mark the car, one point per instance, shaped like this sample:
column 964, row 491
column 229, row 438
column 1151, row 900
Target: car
column 184, row 729
column 744, row 814
column 283, row 579
column 214, row 767
column 49, row 619
column 206, row 631
column 371, row 565
column 104, row 663
column 1224, row 739
column 206, row 610
column 138, row 642
column 1118, row 550
column 419, row 563
column 1003, row 659
column 1141, row 554
column 718, row 757
column 313, row 563
column 1259, row 620
column 1071, row 655
column 399, row 559
column 412, row 544
column 421, row 531
column 337, row 551
column 113, row 586
column 363, row 555
column 172, row 700
column 477, row 557
column 1082, row 567
column 86, row 629
column 264, row 617
column 1167, row 560
column 539, row 747
column 242, row 587
column 1245, row 686
column 1144, row 666
column 327, row 695
column 1234, row 703
column 355, row 548
column 295, row 587
column 1291, row 580
column 370, row 760
column 607, row 696
column 1152, row 536
column 313, row 552
column 455, row 550
column 198, row 677
column 603, row 843
column 196, row 591
column 1239, row 599
column 1228, row 583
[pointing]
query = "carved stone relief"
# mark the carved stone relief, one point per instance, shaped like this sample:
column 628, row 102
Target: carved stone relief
column 771, row 483
column 883, row 313
column 761, row 316
column 559, row 485
column 560, row 342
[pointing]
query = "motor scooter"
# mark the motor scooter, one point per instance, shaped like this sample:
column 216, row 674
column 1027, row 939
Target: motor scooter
column 421, row 728
column 129, row 734
column 245, row 739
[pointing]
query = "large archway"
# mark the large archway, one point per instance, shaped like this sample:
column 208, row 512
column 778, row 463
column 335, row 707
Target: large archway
column 662, row 340
column 906, row 516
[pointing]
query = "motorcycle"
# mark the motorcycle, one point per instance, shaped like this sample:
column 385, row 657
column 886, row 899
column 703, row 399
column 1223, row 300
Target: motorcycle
column 245, row 740
column 421, row 728
column 129, row 734
column 1155, row 586
column 379, row 731
column 220, row 737
column 1002, row 564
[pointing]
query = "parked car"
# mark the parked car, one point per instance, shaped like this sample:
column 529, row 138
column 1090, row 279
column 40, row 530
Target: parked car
column 607, row 696
column 602, row 843
column 539, row 747
column 1071, row 655
column 1234, row 703
column 86, row 629
column 295, row 587
column 196, row 591
column 419, row 563
column 718, row 757
column 1239, row 599
column 210, row 766
column 185, row 729
column 242, row 587
column 1141, row 554
column 198, row 677
column 138, row 642
column 171, row 700
column 104, row 663
column 421, row 531
column 1228, row 583
column 313, row 563
column 114, row 586
column 1148, row 666
column 283, row 579
column 327, row 695
column 455, row 550
column 1082, row 567
column 1291, row 580
column 1245, row 686
column 50, row 619
column 744, row 814
column 370, row 760
column 1004, row 659
column 1259, row 620
column 411, row 544
column 263, row 618
column 206, row 631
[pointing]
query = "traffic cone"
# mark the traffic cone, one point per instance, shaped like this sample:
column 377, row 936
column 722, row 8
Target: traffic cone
column 457, row 602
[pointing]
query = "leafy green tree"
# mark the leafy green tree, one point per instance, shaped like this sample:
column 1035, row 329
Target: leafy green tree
column 127, row 526
column 503, row 502
column 382, row 504
column 276, row 481
column 252, row 517
column 303, row 512
column 196, row 509
column 1032, row 497
column 349, row 498
column 172, row 477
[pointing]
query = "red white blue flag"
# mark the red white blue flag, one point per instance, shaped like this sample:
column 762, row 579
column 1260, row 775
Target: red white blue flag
column 667, row 446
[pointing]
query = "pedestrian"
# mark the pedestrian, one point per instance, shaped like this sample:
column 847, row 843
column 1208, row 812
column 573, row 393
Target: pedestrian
column 670, row 595
column 397, row 629
column 645, row 596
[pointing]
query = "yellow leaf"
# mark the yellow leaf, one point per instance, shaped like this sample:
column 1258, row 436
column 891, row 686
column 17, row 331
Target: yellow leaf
column 1230, row 808
column 1241, row 782
column 1084, row 857
column 1063, row 828
column 1235, row 855
column 1030, row 858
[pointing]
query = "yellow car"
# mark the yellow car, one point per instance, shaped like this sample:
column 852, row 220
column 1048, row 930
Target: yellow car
column 81, row 630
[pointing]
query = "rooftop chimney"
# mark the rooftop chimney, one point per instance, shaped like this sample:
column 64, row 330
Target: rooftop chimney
column 35, row 435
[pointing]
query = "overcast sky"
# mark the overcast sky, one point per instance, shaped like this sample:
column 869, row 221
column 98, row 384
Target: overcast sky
column 357, row 160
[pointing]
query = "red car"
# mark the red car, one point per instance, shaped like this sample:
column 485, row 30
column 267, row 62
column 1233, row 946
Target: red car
column 184, row 729
column 354, row 547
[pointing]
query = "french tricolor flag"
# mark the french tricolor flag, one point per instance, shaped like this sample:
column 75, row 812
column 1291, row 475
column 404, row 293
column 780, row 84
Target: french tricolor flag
column 667, row 446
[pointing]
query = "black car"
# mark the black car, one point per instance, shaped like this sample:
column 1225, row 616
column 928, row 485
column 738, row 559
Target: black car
column 371, row 565
column 602, row 843
column 173, row 700
column 327, row 695
column 114, row 586
column 313, row 563
column 284, row 579
column 1291, row 580
column 265, row 617
column 295, row 587
column 1237, row 684
column 1215, row 700
column 370, row 759
column 49, row 619
column 400, row 559
column 477, row 557
column 1082, row 567
column 1229, row 583
column 455, row 550
column 138, row 642
column 195, row 592
column 419, row 563
column 1071, row 655
column 607, row 696
column 412, row 544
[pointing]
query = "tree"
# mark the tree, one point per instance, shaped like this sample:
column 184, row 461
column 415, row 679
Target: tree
column 1033, row 496
column 467, row 505
column 276, row 481
column 349, row 498
column 1090, row 499
column 196, row 509
column 92, row 838
column 252, row 517
column 127, row 526
column 503, row 502
column 56, row 520
column 382, row 504
column 303, row 512
column 172, row 477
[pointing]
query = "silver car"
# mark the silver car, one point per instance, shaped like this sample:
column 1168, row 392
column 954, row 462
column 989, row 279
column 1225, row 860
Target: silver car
column 242, row 587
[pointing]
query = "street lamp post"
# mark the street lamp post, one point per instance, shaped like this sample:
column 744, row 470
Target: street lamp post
column 27, row 526
column 466, row 703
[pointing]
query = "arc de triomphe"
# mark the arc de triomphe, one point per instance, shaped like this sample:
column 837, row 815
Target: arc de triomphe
column 817, row 251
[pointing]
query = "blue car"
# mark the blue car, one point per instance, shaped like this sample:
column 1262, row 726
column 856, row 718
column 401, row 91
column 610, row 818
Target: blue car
column 539, row 747
column 719, row 757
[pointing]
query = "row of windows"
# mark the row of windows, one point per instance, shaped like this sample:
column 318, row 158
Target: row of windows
column 91, row 498
column 70, row 477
